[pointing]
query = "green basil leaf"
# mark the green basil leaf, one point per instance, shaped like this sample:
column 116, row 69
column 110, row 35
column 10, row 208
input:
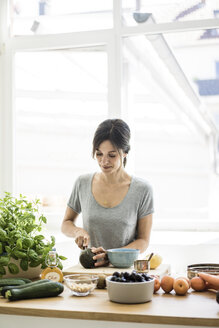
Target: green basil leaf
column 3, row 235
column 8, row 249
column 43, row 218
column 27, row 242
column 19, row 243
column 11, row 226
column 30, row 227
column 43, row 266
column 53, row 240
column 24, row 264
column 20, row 255
column 4, row 260
column 2, row 223
column 34, row 264
column 2, row 270
column 39, row 237
column 60, row 266
column 13, row 268
column 32, row 253
column 13, row 256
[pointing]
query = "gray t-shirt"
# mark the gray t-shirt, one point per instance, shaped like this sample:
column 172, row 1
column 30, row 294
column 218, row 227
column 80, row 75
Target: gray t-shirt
column 111, row 227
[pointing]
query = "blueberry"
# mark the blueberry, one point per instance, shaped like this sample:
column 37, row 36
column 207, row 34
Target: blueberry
column 126, row 275
column 123, row 279
column 132, row 277
column 116, row 274
column 118, row 279
column 138, row 278
column 145, row 276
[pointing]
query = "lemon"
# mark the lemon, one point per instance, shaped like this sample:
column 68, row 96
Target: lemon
column 155, row 261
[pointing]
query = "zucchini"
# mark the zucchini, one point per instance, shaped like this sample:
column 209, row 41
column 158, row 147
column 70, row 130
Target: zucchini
column 4, row 289
column 26, row 280
column 11, row 282
column 46, row 289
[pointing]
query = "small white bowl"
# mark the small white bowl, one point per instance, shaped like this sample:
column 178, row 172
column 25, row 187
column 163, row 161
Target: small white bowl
column 81, row 284
column 130, row 292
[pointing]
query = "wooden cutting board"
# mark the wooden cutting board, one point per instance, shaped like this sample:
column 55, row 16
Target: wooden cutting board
column 160, row 271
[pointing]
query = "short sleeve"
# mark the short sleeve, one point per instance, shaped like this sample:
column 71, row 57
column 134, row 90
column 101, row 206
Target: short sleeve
column 146, row 206
column 74, row 200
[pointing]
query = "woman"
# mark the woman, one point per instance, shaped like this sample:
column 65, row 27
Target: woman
column 116, row 207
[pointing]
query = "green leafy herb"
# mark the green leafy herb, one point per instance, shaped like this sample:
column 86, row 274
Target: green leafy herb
column 13, row 268
column 20, row 237
column 24, row 264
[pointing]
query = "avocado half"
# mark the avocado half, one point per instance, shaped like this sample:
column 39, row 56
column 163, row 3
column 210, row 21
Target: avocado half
column 86, row 258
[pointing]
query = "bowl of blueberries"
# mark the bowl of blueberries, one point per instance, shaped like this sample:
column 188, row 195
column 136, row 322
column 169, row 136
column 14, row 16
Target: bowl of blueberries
column 130, row 287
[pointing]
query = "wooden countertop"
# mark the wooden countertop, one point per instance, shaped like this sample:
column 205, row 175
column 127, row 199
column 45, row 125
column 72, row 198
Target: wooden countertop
column 194, row 309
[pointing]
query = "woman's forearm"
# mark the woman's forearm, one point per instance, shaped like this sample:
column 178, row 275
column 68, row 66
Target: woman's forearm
column 70, row 229
column 140, row 244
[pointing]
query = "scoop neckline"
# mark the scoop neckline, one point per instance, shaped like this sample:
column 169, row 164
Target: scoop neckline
column 109, row 208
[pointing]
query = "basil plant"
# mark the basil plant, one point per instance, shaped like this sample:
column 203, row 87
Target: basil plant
column 20, row 237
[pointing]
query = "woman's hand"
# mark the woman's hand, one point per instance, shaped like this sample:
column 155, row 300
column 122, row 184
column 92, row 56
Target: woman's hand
column 82, row 238
column 100, row 256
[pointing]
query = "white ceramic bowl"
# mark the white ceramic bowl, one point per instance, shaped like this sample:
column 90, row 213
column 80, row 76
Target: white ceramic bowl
column 81, row 284
column 130, row 292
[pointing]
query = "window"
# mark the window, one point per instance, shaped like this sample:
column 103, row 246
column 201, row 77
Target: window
column 167, row 149
column 127, row 59
column 60, row 98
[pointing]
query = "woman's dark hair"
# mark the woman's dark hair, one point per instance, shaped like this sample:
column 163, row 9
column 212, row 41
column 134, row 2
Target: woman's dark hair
column 117, row 132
